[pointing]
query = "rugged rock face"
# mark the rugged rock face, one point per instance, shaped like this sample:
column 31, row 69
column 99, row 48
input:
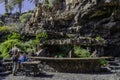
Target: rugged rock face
column 87, row 19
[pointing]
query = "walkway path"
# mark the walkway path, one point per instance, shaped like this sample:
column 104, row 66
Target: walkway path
column 64, row 76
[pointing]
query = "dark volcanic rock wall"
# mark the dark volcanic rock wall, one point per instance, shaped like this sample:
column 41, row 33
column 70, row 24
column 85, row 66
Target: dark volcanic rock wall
column 103, row 21
column 86, row 19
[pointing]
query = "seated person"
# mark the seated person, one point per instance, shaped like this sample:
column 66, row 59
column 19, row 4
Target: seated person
column 22, row 58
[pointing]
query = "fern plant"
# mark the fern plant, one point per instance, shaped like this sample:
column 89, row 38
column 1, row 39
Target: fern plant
column 6, row 46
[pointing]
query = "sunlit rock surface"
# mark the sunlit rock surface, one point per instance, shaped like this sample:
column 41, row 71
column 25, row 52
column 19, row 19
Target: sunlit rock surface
column 84, row 18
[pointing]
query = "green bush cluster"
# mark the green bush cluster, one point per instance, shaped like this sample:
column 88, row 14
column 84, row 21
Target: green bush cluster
column 47, row 3
column 15, row 27
column 14, row 36
column 80, row 52
column 103, row 62
column 50, row 3
column 3, row 28
column 1, row 23
column 41, row 36
column 25, row 17
column 30, row 46
column 6, row 46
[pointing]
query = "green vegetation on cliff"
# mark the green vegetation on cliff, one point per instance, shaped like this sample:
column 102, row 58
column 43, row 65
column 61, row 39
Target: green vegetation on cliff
column 6, row 46
column 80, row 52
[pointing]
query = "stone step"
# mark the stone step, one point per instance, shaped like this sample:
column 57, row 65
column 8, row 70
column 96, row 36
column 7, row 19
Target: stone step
column 105, row 69
column 1, row 69
column 5, row 73
column 114, row 67
column 117, row 58
column 112, row 59
column 115, row 63
column 116, row 71
column 118, row 64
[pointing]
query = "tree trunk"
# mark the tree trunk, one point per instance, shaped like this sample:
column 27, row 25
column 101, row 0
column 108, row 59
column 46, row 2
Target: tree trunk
column 36, row 3
column 20, row 7
column 6, row 8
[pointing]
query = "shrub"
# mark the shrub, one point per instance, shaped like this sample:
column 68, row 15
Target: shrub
column 25, row 17
column 99, row 38
column 71, row 35
column 15, row 27
column 4, row 28
column 103, row 62
column 1, row 23
column 14, row 36
column 80, row 52
column 30, row 46
column 6, row 46
column 6, row 13
column 41, row 36
column 50, row 3
column 46, row 3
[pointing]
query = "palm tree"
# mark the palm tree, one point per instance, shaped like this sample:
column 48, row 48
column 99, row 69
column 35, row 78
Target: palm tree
column 18, row 3
column 34, row 1
column 10, row 7
column 6, row 3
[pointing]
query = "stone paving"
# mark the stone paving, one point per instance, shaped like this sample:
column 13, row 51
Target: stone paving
column 64, row 76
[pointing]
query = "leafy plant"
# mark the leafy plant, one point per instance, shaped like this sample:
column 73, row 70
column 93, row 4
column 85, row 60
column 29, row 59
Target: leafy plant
column 4, row 28
column 80, row 52
column 103, row 62
column 6, row 46
column 15, row 27
column 45, row 3
column 30, row 46
column 1, row 23
column 71, row 35
column 6, row 13
column 99, row 38
column 41, row 36
column 25, row 17
column 49, row 3
column 14, row 36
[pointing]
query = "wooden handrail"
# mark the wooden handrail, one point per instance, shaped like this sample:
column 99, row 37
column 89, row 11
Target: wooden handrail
column 52, row 58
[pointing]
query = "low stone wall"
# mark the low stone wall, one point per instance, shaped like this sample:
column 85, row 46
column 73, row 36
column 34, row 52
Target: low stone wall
column 72, row 65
